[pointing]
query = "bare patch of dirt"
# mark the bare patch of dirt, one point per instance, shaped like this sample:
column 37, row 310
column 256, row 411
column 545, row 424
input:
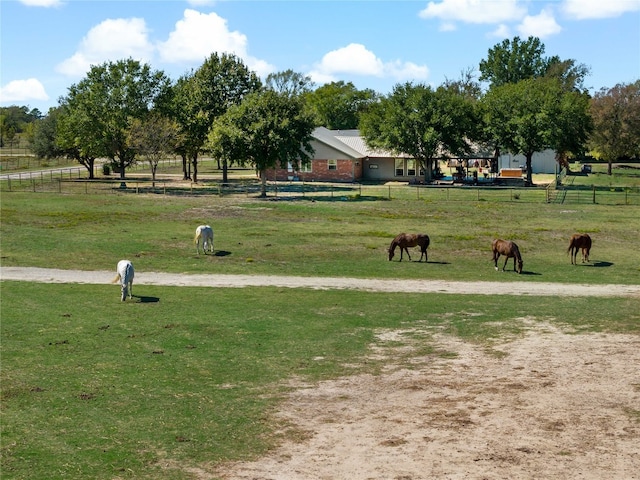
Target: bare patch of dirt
column 550, row 405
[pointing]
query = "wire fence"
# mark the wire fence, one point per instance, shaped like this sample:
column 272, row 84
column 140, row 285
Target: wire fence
column 75, row 181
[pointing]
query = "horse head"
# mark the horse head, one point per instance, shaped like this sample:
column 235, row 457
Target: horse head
column 392, row 252
column 520, row 263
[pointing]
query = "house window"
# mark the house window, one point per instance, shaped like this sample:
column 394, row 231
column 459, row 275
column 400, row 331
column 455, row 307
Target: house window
column 305, row 168
column 399, row 167
column 411, row 168
column 332, row 164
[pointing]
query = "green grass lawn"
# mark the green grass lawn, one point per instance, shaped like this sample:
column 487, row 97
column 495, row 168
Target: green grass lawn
column 97, row 388
column 321, row 238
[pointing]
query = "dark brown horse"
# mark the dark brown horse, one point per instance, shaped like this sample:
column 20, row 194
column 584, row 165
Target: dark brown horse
column 406, row 240
column 579, row 241
column 509, row 250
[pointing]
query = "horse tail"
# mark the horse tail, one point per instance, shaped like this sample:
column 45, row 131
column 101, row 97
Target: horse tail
column 195, row 239
column 117, row 279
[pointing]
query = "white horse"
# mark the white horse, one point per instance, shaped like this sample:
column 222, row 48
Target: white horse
column 204, row 236
column 125, row 277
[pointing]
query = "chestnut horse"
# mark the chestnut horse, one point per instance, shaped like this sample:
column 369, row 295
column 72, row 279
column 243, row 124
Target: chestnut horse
column 406, row 240
column 579, row 241
column 509, row 250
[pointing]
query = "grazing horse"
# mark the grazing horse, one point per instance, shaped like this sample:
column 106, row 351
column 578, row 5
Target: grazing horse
column 406, row 240
column 509, row 250
column 579, row 241
column 125, row 277
column 204, row 236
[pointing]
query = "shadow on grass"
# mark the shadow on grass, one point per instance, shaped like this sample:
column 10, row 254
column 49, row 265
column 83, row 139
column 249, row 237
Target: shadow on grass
column 598, row 264
column 143, row 299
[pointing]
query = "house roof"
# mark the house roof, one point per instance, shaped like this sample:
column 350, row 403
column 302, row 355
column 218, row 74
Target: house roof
column 349, row 142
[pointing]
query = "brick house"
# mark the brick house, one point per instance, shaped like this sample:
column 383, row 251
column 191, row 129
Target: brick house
column 343, row 156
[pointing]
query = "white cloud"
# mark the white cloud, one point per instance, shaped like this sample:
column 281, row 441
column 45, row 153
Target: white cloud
column 542, row 25
column 110, row 40
column 355, row 59
column 41, row 3
column 474, row 11
column 586, row 9
column 503, row 31
column 197, row 35
column 23, row 90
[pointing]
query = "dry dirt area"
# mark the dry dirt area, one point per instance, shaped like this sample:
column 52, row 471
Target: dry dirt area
column 549, row 404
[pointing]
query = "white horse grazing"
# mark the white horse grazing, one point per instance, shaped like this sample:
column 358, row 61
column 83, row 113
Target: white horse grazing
column 125, row 277
column 204, row 236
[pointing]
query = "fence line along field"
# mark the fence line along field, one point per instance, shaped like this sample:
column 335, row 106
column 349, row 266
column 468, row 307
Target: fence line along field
column 195, row 382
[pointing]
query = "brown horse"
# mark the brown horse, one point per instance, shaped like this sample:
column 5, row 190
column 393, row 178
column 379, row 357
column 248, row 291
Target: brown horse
column 509, row 250
column 579, row 241
column 406, row 240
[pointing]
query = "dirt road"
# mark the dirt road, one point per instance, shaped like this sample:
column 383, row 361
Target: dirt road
column 50, row 275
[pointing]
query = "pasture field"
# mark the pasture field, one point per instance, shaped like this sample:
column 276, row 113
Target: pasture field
column 340, row 237
column 183, row 379
column 186, row 378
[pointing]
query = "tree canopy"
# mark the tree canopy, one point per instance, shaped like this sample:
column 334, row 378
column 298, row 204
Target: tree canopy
column 616, row 118
column 267, row 130
column 99, row 110
column 339, row 105
column 420, row 122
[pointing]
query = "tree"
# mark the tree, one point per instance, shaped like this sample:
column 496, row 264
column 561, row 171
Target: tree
column 514, row 60
column 339, row 105
column 268, row 129
column 221, row 82
column 153, row 138
column 289, row 82
column 100, row 109
column 616, row 117
column 415, row 120
column 45, row 136
column 535, row 114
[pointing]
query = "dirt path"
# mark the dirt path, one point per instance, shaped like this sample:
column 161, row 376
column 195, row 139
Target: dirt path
column 549, row 404
column 50, row 275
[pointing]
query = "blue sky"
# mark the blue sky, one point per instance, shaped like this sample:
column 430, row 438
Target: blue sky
column 48, row 45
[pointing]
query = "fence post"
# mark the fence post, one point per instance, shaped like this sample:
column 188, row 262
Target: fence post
column 594, row 193
column 389, row 192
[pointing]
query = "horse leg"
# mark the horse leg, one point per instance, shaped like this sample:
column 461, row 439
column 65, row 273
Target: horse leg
column 496, row 255
column 408, row 254
column 506, row 259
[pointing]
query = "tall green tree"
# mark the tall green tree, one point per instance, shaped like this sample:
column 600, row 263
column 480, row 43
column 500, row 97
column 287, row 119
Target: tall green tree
column 154, row 137
column 423, row 123
column 44, row 143
column 100, row 109
column 535, row 114
column 289, row 82
column 339, row 105
column 221, row 82
column 616, row 116
column 267, row 130
column 514, row 60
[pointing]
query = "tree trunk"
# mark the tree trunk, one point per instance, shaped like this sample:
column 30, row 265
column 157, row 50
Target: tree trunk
column 609, row 165
column 154, row 168
column 225, row 173
column 185, row 163
column 428, row 170
column 529, row 156
column 263, row 183
column 194, row 161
